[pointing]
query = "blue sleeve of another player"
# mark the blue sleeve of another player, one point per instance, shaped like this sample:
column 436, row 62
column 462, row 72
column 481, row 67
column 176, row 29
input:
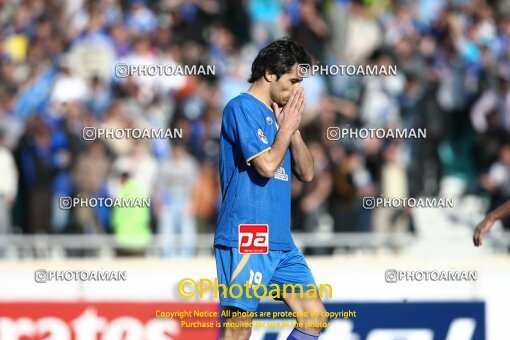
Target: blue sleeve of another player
column 249, row 131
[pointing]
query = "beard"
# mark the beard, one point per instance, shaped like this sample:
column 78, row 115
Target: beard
column 280, row 98
column 282, row 102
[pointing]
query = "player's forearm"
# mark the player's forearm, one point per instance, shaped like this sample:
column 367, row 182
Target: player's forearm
column 279, row 148
column 302, row 159
column 500, row 212
column 270, row 161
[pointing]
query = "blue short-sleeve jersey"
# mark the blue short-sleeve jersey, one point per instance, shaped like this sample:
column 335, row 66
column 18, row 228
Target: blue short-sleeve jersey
column 248, row 129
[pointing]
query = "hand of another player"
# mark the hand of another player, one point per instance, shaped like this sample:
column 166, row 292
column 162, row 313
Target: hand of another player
column 289, row 117
column 481, row 229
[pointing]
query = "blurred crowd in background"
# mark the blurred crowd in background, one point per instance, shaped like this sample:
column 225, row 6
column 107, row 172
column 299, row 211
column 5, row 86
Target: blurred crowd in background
column 57, row 76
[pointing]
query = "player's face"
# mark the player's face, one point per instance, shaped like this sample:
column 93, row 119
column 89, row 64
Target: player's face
column 282, row 88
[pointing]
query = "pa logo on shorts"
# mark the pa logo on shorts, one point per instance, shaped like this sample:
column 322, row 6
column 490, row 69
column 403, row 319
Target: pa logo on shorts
column 253, row 238
column 262, row 136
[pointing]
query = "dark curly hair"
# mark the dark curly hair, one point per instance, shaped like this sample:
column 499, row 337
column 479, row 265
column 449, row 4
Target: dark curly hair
column 278, row 57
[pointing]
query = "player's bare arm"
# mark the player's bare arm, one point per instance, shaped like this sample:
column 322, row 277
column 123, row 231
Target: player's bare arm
column 302, row 159
column 486, row 224
column 288, row 119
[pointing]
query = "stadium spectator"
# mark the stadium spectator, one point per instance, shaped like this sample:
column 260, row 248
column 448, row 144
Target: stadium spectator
column 65, row 146
column 205, row 201
column 139, row 18
column 37, row 169
column 360, row 33
column 176, row 182
column 68, row 87
column 8, row 185
column 494, row 100
column 142, row 165
column 313, row 198
column 311, row 30
column 393, row 183
column 131, row 225
column 89, row 175
column 351, row 181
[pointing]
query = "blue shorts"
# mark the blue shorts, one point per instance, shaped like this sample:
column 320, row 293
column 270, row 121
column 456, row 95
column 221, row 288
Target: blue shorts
column 275, row 267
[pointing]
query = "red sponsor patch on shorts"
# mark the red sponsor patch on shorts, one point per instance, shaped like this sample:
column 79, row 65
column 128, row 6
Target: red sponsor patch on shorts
column 253, row 238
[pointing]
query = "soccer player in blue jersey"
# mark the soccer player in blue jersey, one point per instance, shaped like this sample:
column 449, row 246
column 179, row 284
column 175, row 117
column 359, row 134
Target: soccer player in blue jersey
column 260, row 145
